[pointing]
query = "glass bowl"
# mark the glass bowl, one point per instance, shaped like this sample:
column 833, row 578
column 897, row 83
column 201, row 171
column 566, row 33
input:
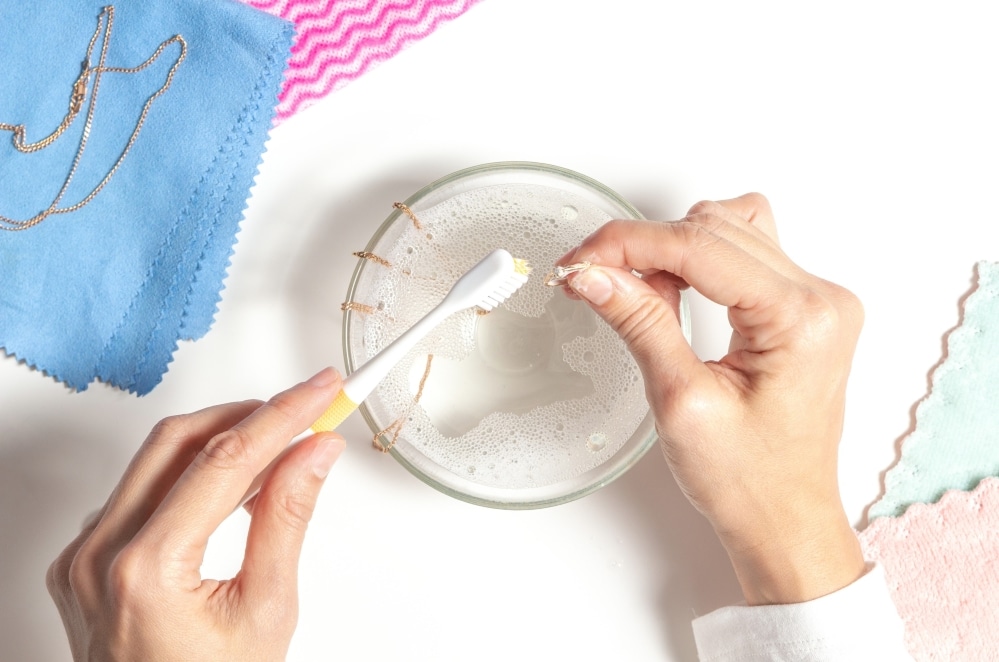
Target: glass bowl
column 534, row 404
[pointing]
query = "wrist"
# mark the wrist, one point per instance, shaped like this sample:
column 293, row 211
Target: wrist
column 797, row 561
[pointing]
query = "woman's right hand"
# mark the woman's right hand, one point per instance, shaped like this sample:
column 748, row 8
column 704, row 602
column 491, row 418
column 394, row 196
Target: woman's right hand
column 129, row 587
column 752, row 439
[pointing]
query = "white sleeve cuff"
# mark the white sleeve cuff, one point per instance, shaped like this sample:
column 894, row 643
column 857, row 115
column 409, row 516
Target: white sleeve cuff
column 857, row 622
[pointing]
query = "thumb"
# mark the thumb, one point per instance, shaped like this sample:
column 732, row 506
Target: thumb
column 281, row 514
column 644, row 317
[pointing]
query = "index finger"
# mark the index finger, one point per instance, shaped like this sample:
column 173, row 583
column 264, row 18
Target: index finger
column 721, row 270
column 211, row 486
column 158, row 463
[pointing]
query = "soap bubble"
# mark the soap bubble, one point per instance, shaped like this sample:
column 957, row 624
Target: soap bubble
column 528, row 446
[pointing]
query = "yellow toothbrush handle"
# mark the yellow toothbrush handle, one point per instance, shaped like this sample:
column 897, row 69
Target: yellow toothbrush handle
column 341, row 408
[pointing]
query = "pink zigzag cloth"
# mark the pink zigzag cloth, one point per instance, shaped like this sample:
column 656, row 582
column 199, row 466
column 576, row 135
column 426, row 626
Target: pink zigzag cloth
column 338, row 40
column 942, row 566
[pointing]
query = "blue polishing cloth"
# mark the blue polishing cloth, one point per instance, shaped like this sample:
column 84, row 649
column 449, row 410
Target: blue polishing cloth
column 105, row 291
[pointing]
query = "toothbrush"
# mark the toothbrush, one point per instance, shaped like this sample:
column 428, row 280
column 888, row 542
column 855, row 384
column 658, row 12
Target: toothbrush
column 486, row 285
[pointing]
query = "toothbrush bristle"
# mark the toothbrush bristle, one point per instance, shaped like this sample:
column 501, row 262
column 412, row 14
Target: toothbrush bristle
column 506, row 289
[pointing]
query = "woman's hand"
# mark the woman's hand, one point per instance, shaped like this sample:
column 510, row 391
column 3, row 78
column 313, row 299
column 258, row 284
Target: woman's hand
column 751, row 439
column 129, row 586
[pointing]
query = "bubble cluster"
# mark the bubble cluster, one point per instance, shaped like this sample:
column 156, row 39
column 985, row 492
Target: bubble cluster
column 570, row 432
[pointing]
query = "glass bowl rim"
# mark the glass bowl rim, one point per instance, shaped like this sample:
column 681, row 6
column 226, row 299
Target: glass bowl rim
column 619, row 467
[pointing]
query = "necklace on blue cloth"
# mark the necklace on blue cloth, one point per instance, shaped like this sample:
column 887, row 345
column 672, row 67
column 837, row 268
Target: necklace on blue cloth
column 105, row 25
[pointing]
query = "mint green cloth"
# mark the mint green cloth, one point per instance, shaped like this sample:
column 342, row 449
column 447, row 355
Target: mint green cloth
column 955, row 443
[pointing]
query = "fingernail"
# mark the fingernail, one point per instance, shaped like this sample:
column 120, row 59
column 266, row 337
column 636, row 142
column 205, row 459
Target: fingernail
column 325, row 455
column 324, row 377
column 594, row 285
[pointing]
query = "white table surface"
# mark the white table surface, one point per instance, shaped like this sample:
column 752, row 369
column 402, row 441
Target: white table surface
column 872, row 128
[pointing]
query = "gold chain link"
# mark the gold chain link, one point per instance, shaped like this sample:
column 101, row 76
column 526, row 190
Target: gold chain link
column 77, row 99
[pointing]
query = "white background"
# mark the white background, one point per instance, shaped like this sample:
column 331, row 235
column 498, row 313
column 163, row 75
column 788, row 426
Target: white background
column 872, row 128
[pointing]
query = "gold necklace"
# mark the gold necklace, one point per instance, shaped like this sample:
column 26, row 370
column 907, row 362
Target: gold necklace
column 77, row 99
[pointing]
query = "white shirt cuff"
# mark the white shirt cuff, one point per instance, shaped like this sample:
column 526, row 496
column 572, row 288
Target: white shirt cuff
column 857, row 622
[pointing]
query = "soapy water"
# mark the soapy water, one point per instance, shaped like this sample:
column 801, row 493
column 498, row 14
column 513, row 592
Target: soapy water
column 536, row 392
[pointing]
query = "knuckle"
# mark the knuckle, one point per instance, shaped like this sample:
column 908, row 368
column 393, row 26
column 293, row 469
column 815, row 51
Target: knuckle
column 227, row 451
column 701, row 226
column 758, row 201
column 126, row 573
column 286, row 406
column 57, row 575
column 687, row 405
column 612, row 232
column 822, row 320
column 169, row 430
column 834, row 310
column 294, row 510
column 52, row 584
column 819, row 310
column 853, row 307
column 702, row 207
column 82, row 573
column 698, row 232
column 640, row 322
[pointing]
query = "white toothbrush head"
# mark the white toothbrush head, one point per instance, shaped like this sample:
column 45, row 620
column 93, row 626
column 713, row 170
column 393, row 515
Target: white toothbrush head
column 490, row 282
column 486, row 285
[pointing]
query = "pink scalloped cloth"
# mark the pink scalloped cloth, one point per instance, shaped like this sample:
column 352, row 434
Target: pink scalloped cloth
column 338, row 40
column 936, row 537
column 941, row 561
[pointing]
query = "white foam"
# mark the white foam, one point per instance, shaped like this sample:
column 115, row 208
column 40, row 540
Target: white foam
column 524, row 415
